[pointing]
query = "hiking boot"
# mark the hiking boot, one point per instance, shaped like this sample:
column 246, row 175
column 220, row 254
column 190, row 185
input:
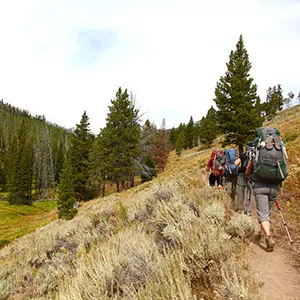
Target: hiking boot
column 270, row 244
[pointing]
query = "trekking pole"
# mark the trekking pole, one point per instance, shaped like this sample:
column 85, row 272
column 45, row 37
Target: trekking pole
column 249, row 196
column 284, row 224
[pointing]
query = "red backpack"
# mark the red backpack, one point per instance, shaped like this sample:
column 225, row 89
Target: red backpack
column 218, row 162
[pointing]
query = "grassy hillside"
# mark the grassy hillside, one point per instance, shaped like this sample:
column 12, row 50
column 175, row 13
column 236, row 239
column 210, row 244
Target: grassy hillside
column 173, row 238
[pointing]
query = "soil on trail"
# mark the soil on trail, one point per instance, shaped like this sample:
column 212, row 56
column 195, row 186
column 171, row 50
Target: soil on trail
column 276, row 271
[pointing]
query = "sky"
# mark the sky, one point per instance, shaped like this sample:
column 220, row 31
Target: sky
column 59, row 58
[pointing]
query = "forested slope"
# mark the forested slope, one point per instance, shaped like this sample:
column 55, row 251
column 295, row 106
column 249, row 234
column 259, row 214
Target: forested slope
column 32, row 151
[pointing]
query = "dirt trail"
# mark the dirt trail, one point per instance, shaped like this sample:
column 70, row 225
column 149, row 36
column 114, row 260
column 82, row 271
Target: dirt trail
column 281, row 280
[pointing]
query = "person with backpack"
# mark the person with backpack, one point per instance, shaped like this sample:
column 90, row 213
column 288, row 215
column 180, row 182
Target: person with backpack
column 267, row 169
column 215, row 168
column 231, row 171
column 243, row 183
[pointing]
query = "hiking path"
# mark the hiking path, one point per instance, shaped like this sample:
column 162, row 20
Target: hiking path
column 277, row 271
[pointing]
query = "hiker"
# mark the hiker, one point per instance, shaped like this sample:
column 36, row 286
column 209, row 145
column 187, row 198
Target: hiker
column 244, row 190
column 267, row 169
column 231, row 172
column 215, row 168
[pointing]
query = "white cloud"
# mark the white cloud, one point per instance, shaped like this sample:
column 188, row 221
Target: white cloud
column 60, row 58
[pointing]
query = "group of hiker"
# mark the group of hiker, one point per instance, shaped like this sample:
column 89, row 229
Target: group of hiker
column 258, row 172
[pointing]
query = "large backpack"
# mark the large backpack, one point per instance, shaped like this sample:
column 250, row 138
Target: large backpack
column 270, row 161
column 231, row 169
column 218, row 162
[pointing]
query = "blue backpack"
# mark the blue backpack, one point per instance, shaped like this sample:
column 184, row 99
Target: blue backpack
column 230, row 168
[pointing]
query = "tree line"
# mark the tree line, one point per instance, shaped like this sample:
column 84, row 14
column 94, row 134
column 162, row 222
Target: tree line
column 42, row 160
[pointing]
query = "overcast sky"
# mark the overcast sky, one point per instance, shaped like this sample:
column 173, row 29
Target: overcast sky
column 61, row 57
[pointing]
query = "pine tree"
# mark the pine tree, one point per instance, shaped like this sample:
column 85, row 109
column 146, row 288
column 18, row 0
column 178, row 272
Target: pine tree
column 120, row 140
column 209, row 127
column 235, row 97
column 274, row 101
column 79, row 154
column 180, row 143
column 173, row 137
column 181, row 130
column 189, row 134
column 65, row 203
column 99, row 169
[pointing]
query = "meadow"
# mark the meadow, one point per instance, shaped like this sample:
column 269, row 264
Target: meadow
column 18, row 220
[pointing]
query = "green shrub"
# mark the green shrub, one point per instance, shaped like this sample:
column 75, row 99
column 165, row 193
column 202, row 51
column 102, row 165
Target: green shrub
column 241, row 226
column 215, row 211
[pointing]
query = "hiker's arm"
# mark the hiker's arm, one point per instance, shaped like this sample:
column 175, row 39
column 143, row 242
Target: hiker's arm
column 249, row 170
column 208, row 168
column 209, row 165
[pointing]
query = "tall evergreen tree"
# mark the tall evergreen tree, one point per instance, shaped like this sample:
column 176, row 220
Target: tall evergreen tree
column 235, row 97
column 180, row 143
column 65, row 203
column 189, row 134
column 120, row 140
column 274, row 101
column 173, row 137
column 99, row 166
column 79, row 155
column 209, row 127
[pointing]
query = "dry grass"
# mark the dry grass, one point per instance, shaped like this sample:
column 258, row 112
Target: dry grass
column 172, row 238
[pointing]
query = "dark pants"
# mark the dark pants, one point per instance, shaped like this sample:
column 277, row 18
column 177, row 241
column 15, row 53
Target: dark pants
column 244, row 192
column 213, row 179
column 230, row 183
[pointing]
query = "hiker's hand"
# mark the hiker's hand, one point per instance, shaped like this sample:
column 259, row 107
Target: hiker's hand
column 237, row 162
